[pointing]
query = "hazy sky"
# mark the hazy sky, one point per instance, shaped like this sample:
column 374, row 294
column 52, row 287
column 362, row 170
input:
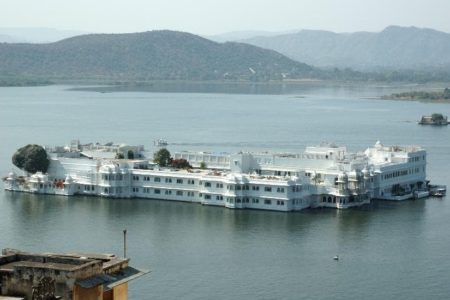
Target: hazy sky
column 218, row 16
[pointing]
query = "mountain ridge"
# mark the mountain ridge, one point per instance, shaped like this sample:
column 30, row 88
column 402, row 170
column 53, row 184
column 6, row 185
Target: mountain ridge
column 395, row 47
column 150, row 55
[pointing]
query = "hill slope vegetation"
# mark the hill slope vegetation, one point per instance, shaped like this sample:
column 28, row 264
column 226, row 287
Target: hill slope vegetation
column 151, row 55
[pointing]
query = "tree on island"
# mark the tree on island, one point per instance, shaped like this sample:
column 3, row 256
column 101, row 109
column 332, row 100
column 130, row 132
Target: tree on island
column 31, row 158
column 162, row 157
column 437, row 117
column 180, row 163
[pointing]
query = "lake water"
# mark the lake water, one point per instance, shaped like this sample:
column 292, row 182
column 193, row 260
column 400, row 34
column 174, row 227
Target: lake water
column 387, row 250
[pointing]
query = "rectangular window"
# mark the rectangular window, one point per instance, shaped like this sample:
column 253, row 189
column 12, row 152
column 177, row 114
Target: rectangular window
column 179, row 193
column 267, row 189
column 168, row 180
column 268, row 202
column 157, row 191
column 157, row 179
column 207, row 196
column 207, row 184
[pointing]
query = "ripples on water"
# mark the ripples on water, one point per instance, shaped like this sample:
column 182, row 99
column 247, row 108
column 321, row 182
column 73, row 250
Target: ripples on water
column 387, row 250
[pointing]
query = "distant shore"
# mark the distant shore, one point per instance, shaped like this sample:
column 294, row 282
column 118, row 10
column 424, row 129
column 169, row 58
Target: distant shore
column 422, row 96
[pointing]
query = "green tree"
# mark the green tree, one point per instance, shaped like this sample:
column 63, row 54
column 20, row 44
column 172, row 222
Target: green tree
column 31, row 158
column 203, row 165
column 437, row 117
column 162, row 157
column 130, row 154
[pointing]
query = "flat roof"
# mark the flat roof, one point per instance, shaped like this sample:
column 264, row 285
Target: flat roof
column 33, row 264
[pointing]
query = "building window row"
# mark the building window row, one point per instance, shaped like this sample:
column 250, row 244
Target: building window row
column 398, row 173
column 296, row 189
column 89, row 188
column 415, row 158
column 112, row 177
column 282, row 173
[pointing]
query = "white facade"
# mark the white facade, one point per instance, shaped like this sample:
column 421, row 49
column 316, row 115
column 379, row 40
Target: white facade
column 323, row 176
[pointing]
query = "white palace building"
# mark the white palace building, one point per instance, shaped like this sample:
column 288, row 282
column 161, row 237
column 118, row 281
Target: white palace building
column 321, row 176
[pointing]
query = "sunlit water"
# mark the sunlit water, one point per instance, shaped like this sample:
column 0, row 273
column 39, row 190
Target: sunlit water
column 387, row 250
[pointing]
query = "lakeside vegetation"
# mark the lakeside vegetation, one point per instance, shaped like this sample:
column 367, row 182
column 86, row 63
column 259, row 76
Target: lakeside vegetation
column 438, row 96
column 23, row 81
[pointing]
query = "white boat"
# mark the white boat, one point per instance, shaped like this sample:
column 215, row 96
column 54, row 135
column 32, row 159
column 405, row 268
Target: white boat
column 160, row 143
column 437, row 190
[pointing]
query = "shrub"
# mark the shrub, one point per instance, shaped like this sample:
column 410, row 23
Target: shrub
column 180, row 163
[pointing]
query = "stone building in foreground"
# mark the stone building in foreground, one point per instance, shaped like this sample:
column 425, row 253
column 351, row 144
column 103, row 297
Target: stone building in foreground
column 72, row 276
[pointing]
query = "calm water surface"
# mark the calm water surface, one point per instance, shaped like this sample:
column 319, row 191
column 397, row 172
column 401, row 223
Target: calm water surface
column 387, row 250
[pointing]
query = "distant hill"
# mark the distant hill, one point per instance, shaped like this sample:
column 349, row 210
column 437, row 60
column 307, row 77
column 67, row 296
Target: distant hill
column 7, row 39
column 245, row 34
column 146, row 56
column 393, row 48
column 37, row 34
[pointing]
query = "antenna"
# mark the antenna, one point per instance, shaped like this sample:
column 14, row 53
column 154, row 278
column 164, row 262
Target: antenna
column 125, row 243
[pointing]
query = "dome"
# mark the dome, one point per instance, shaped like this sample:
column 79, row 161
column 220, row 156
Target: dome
column 69, row 179
column 12, row 175
column 105, row 169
